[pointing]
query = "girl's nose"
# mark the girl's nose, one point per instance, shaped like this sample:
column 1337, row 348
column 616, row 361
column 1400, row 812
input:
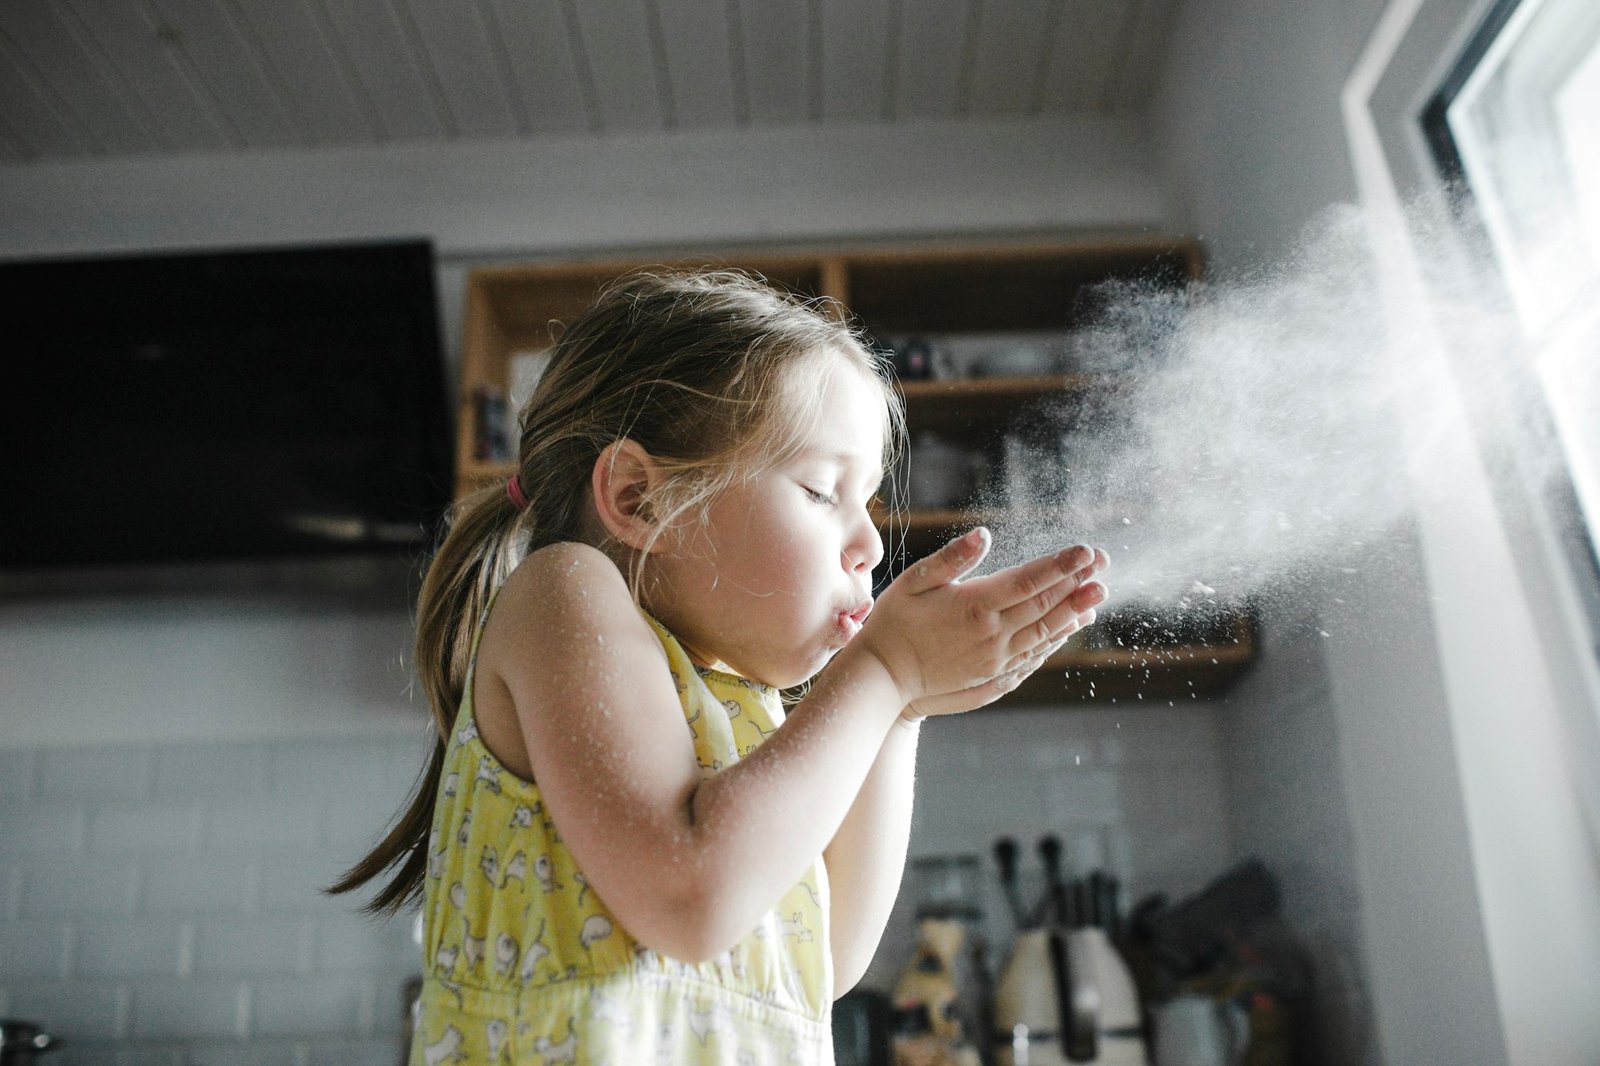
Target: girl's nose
column 864, row 550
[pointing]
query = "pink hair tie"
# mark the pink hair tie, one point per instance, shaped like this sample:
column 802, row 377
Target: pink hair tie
column 514, row 490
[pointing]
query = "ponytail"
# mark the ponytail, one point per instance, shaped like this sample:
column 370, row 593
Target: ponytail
column 474, row 557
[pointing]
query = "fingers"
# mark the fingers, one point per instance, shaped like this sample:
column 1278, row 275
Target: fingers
column 1018, row 584
column 1054, row 613
column 986, row 693
column 951, row 562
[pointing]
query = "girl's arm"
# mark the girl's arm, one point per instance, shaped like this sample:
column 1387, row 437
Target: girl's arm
column 690, row 862
column 867, row 856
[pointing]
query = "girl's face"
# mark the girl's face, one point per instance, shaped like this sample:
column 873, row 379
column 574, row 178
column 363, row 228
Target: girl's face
column 779, row 576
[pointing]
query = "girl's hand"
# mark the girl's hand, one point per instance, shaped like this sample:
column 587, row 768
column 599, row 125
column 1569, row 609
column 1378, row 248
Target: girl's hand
column 953, row 645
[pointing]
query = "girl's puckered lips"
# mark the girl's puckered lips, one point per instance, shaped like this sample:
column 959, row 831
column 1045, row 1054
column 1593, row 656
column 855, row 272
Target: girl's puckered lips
column 850, row 620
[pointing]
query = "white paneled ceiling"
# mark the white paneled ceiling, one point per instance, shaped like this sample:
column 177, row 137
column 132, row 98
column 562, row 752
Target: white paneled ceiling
column 86, row 79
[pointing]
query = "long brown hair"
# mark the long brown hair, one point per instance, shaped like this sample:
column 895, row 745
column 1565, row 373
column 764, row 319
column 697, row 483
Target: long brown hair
column 706, row 371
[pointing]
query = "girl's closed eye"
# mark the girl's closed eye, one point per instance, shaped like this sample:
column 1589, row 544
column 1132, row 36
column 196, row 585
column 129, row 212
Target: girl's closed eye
column 820, row 497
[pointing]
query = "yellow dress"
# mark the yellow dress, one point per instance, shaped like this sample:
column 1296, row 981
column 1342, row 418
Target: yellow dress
column 523, row 963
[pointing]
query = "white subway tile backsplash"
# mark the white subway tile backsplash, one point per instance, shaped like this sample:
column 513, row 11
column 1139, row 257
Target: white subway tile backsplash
column 359, row 822
column 119, row 770
column 108, row 1055
column 162, row 1054
column 1080, row 794
column 155, row 828
column 33, row 950
column 10, row 891
column 311, row 1006
column 165, row 1010
column 75, row 886
column 235, row 825
column 293, row 883
column 16, row 773
column 378, row 1051
column 246, row 1053
column 199, row 884
column 248, row 944
column 76, row 1010
column 358, row 943
column 118, row 947
column 351, row 766
column 42, row 830
column 212, row 770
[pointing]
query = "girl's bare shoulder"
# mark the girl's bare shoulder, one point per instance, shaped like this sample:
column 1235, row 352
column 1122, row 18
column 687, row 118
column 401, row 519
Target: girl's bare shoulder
column 562, row 597
column 564, row 566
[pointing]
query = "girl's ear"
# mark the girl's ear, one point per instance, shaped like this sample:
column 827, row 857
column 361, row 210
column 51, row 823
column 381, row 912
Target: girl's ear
column 623, row 478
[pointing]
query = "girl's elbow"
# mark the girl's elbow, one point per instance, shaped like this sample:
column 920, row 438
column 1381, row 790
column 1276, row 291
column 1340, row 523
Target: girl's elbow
column 693, row 927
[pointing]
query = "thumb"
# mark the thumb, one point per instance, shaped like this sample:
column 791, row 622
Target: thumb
column 951, row 562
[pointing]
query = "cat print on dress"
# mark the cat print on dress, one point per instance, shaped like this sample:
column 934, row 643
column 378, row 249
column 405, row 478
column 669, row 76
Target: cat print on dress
column 446, row 1049
column 564, row 1052
column 505, row 954
column 472, row 946
column 545, row 871
column 537, row 952
column 795, row 926
column 596, row 928
column 494, row 1034
column 516, row 869
column 488, row 774
column 613, row 1010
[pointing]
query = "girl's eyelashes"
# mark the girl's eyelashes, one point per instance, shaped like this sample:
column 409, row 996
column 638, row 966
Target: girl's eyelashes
column 819, row 497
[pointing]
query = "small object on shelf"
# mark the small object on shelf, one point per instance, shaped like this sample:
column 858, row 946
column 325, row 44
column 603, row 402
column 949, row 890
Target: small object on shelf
column 525, row 368
column 492, row 421
column 911, row 357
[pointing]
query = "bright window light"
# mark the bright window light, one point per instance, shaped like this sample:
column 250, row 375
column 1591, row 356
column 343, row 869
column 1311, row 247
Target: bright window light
column 1525, row 124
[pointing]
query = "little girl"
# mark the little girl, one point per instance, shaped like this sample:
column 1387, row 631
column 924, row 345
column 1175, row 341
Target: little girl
column 625, row 851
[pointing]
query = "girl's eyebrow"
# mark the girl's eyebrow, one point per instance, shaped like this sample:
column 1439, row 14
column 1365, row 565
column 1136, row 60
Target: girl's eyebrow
column 843, row 459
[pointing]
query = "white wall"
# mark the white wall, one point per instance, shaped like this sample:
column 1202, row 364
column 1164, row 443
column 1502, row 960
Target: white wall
column 1479, row 919
column 589, row 194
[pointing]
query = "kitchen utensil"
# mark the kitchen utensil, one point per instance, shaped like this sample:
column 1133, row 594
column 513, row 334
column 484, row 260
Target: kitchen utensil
column 1194, row 1030
column 22, row 1042
column 1005, row 856
column 1065, row 995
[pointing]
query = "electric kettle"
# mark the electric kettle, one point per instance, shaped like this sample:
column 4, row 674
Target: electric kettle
column 1066, row 995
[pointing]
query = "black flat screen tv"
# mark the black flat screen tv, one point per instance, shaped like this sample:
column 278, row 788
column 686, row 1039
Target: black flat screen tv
column 229, row 405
